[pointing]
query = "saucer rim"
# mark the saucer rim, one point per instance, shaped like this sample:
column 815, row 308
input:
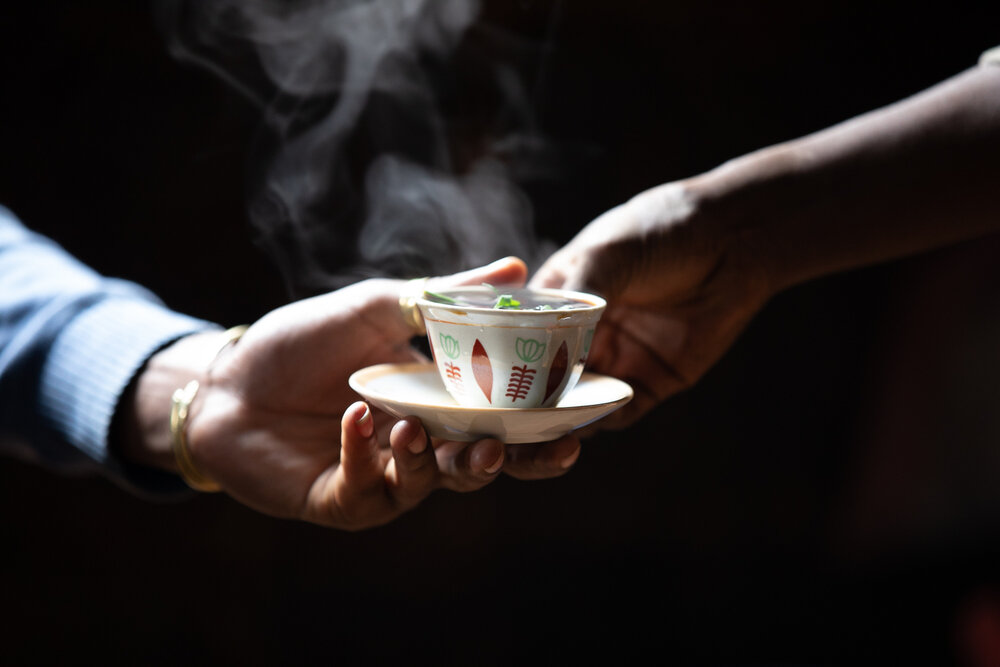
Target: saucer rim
column 379, row 370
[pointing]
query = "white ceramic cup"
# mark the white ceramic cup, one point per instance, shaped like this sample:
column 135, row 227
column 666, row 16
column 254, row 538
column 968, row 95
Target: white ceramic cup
column 492, row 358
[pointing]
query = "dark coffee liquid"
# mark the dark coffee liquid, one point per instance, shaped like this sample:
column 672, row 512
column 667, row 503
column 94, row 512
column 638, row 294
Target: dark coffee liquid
column 505, row 299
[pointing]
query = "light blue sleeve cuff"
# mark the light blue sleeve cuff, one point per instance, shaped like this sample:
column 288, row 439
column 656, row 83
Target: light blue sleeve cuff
column 90, row 365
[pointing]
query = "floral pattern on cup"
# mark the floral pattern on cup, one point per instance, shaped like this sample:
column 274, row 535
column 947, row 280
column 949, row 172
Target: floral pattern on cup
column 450, row 346
column 529, row 349
column 509, row 359
column 451, row 372
column 515, row 385
column 522, row 377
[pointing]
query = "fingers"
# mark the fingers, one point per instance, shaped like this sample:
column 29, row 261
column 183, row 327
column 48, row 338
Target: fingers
column 371, row 488
column 603, row 258
column 467, row 466
column 406, row 479
column 351, row 495
column 596, row 269
column 413, row 473
column 542, row 461
column 376, row 302
column 360, row 459
column 568, row 268
column 551, row 274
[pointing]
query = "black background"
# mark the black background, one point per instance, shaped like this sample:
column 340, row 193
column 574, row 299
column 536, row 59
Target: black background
column 826, row 495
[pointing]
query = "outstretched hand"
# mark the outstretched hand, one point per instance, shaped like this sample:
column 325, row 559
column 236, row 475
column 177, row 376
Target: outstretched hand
column 277, row 426
column 685, row 266
column 680, row 289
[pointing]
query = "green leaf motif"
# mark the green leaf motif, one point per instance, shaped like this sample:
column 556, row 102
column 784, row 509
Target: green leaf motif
column 529, row 350
column 449, row 346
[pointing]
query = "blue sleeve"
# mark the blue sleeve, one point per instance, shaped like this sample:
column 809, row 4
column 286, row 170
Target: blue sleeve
column 70, row 343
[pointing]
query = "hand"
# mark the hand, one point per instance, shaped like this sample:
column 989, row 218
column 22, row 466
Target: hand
column 276, row 425
column 686, row 265
column 680, row 288
column 369, row 484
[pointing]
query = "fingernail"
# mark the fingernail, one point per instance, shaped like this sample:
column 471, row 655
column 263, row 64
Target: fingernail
column 364, row 422
column 418, row 444
column 503, row 261
column 496, row 465
column 571, row 459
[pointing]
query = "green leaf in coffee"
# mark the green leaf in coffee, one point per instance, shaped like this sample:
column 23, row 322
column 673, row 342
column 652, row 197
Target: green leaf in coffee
column 506, row 301
column 440, row 298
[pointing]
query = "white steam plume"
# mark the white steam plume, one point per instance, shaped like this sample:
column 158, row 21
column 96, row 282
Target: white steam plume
column 356, row 173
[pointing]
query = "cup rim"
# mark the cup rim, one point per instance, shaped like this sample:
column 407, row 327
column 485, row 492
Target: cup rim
column 596, row 303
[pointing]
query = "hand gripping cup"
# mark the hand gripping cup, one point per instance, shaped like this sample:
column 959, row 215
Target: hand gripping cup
column 499, row 348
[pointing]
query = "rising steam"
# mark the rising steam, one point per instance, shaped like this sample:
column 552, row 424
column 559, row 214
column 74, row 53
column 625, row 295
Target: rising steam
column 360, row 169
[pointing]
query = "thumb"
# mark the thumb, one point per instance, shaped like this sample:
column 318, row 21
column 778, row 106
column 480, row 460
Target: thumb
column 510, row 271
column 602, row 268
column 382, row 301
column 553, row 273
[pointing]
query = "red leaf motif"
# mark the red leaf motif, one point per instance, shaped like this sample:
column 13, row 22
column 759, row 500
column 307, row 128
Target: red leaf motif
column 520, row 382
column 482, row 370
column 454, row 374
column 557, row 372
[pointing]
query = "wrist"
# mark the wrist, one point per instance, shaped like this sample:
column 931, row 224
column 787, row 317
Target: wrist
column 145, row 435
column 750, row 202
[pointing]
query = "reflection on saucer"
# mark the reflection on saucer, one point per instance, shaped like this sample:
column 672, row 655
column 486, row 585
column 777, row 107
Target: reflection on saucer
column 415, row 389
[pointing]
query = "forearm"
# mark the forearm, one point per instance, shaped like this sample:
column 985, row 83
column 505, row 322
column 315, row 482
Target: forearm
column 71, row 341
column 919, row 174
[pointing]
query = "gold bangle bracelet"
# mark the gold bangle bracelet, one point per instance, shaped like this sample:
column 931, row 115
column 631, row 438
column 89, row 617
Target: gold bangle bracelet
column 180, row 403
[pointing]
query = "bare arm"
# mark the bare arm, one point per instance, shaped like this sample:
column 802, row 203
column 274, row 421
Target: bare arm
column 686, row 265
column 919, row 174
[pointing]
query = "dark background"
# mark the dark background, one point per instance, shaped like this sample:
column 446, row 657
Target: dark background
column 826, row 495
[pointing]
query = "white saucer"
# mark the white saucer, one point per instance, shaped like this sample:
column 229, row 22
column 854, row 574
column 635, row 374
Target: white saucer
column 416, row 389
